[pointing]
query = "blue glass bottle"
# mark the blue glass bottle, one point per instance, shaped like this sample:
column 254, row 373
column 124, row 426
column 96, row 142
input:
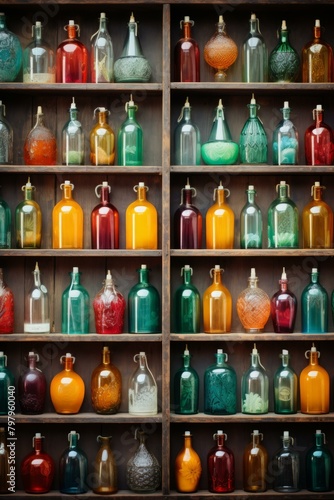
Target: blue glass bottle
column 319, row 465
column 186, row 387
column 75, row 306
column 314, row 306
column 7, row 383
column 187, row 305
column 220, row 387
column 73, row 467
column 10, row 53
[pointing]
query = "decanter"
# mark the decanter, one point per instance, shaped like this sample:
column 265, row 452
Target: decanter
column 4, row 462
column 6, row 306
column 186, row 387
column 5, row 224
column 143, row 472
column 102, row 140
column 217, row 304
column 73, row 468
column 285, row 387
column 255, row 465
column 67, row 220
column 67, row 388
column 220, row 52
column 314, row 306
column 187, row 305
column 105, row 467
column 286, row 463
column 187, row 139
column 144, row 315
column 250, row 222
column 142, row 389
column 317, row 58
column 7, row 385
column 130, row 138
column 39, row 62
column 220, row 221
column 253, row 138
column 6, row 138
column 73, row 141
column 139, row 216
column 28, row 220
column 255, row 387
column 317, row 220
column 37, row 468
column 283, row 307
column 40, row 146
column 253, row 306
column 220, row 387
column 187, row 221
column 10, row 52
column 285, row 140
column 319, row 140
column 314, row 385
column 75, row 301
column 32, row 387
column 284, row 61
column 186, row 55
column 72, row 57
column 254, row 54
column 319, row 465
column 283, row 223
column 109, row 308
column 104, row 220
column 188, row 467
column 106, row 386
column 102, row 54
column 220, row 462
column 36, row 306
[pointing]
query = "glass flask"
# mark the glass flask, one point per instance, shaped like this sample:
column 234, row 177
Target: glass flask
column 39, row 62
column 188, row 467
column 285, row 140
column 317, row 58
column 284, row 61
column 220, row 221
column 143, row 472
column 186, row 387
column 286, row 464
column 7, row 385
column 109, row 308
column 187, row 305
column 314, row 306
column 102, row 54
column 255, row 465
column 28, row 220
column 142, row 389
column 220, row 463
column 10, row 53
column 67, row 220
column 102, row 140
column 220, row 52
column 285, row 387
column 75, row 306
column 130, row 138
column 220, row 148
column 132, row 66
column 105, row 468
column 253, row 138
column 141, row 222
column 37, row 468
column 186, row 55
column 72, row 57
column 187, row 139
column 67, row 388
column 144, row 315
column 5, row 224
column 319, row 465
column 319, row 140
column 32, row 387
column 187, row 221
column 255, row 387
column 283, row 307
column 4, row 462
column 253, row 306
column 73, row 152
column 104, row 220
column 254, row 54
column 314, row 385
column 6, row 306
column 220, row 387
column 106, row 386
column 317, row 220
column 283, row 224
column 36, row 306
column 250, row 222
column 6, row 138
column 217, row 304
column 73, row 466
column 40, row 146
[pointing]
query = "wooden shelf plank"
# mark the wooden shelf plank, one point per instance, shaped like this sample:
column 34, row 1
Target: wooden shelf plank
column 89, row 337
column 241, row 418
column 83, row 418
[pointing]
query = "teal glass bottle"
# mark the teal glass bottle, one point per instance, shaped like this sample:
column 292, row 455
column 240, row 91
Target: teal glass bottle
column 144, row 305
column 283, row 228
column 253, row 142
column 319, row 465
column 250, row 222
column 285, row 387
column 186, row 387
column 75, row 306
column 6, row 138
column 187, row 305
column 255, row 387
column 5, row 224
column 10, row 53
column 7, row 384
column 130, row 138
column 73, row 141
column 28, row 220
column 284, row 61
column 73, row 467
column 314, row 306
column 187, row 139
column 286, row 464
column 220, row 387
column 285, row 140
column 254, row 54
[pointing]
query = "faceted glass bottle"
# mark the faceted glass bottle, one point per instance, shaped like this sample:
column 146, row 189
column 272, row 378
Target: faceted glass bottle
column 73, row 148
column 40, row 146
column 39, row 62
column 37, row 468
column 28, row 220
column 104, row 220
column 4, row 462
column 283, row 307
column 255, row 465
column 251, row 222
column 6, row 138
column 253, row 138
column 285, row 387
column 317, row 58
column 220, row 221
column 67, row 220
column 284, row 61
column 32, row 388
column 314, row 306
column 72, row 57
column 73, row 468
column 142, row 389
column 220, row 387
column 220, row 463
column 36, row 307
column 141, row 222
column 106, row 386
column 10, row 53
column 67, row 388
column 187, row 221
column 285, row 140
column 319, row 465
column 314, row 386
column 5, row 224
column 188, row 467
column 187, row 305
column 286, row 464
column 186, row 55
column 255, row 387
column 130, row 138
column 6, row 307
column 317, row 220
column 220, row 52
column 186, row 387
column 283, row 224
column 7, row 384
column 143, row 472
column 102, row 54
column 144, row 305
column 253, row 306
column 75, row 306
column 187, row 139
column 109, row 308
column 217, row 304
column 105, row 468
column 319, row 140
column 254, row 54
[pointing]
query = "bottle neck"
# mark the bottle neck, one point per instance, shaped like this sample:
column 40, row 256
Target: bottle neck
column 68, row 364
column 37, row 279
column 319, row 439
column 254, row 27
column 106, row 357
column 252, row 282
column 142, row 361
column 3, row 21
column 282, row 192
column 131, row 112
column 284, row 36
column 219, row 358
column 71, row 32
column 220, row 196
column 317, row 193
column 38, row 445
column 103, row 24
column 283, row 285
column 319, row 116
column 220, row 441
column 252, row 110
column 38, row 34
column 217, row 277
column 187, row 197
column 317, row 33
column 286, row 113
column 186, row 30
column 187, row 442
column 314, row 278
column 28, row 194
column 73, row 441
column 141, row 193
column 314, row 358
column 102, row 117
column 285, row 360
column 73, row 114
column 105, row 195
column 255, row 360
column 187, row 277
column 251, row 197
column 32, row 362
column 186, row 360
column 67, row 192
column 143, row 276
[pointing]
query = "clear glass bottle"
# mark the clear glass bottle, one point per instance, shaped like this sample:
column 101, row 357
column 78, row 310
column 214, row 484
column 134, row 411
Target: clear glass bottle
column 142, row 389
column 283, row 223
column 143, row 472
column 106, row 386
column 40, row 146
column 5, row 224
column 187, row 221
column 255, row 465
column 255, row 387
column 144, row 315
column 102, row 54
column 72, row 57
column 220, row 387
column 314, row 385
column 285, row 140
column 319, row 465
column 314, row 306
column 10, row 53
column 186, row 387
column 75, row 306
column 104, row 220
column 28, row 220
column 253, row 306
column 286, row 464
column 317, row 220
column 253, row 142
column 36, row 306
column 67, row 388
column 250, row 222
column 283, row 307
column 187, row 139
column 186, row 55
column 73, row 468
column 188, row 467
column 217, row 304
column 73, row 140
column 284, row 61
column 32, row 387
column 105, row 467
column 37, row 468
column 130, row 138
column 187, row 305
column 109, row 308
column 285, row 387
column 6, row 138
column 4, row 462
column 6, row 306
column 7, row 384
column 139, row 216
column 220, row 52
column 254, row 54
column 220, row 221
column 39, row 62
column 102, row 140
column 319, row 140
column 317, row 58
column 67, row 220
column 220, row 463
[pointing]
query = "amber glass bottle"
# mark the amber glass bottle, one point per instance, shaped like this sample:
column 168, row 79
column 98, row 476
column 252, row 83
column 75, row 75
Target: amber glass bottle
column 255, row 464
column 106, row 386
column 67, row 389
column 217, row 305
column 317, row 58
column 220, row 221
column 105, row 468
column 102, row 140
column 314, row 384
column 141, row 222
column 67, row 220
column 188, row 467
column 317, row 221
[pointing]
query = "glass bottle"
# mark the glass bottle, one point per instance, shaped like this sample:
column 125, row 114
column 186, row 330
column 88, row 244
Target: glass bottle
column 105, row 468
column 5, row 224
column 285, row 387
column 187, row 139
column 314, row 385
column 132, row 66
column 144, row 315
column 67, row 220
column 220, row 387
column 7, row 385
column 319, row 140
column 285, row 140
column 253, row 306
column 139, row 216
column 37, row 468
column 187, row 305
column 254, row 54
column 39, row 62
column 317, row 58
column 32, row 387
column 220, row 221
column 286, row 464
column 4, row 462
column 255, row 387
column 317, row 220
column 188, row 467
column 314, row 306
column 106, row 386
column 217, row 304
column 104, row 220
column 143, row 472
column 250, row 222
column 255, row 465
column 102, row 54
column 72, row 57
column 73, row 466
column 6, row 137
column 73, row 152
column 102, row 140
column 186, row 55
column 75, row 313
column 10, row 53
column 220, row 463
column 40, row 146
column 319, row 465
column 28, row 220
column 284, row 61
column 130, row 138
column 142, row 389
column 109, row 308
column 253, row 138
column 186, row 387
column 283, row 224
column 67, row 388
column 36, row 307
column 187, row 221
column 220, row 52
column 283, row 307
column 6, row 306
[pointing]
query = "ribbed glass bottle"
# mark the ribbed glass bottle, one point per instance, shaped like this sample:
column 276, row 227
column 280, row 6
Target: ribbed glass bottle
column 253, row 144
column 285, row 140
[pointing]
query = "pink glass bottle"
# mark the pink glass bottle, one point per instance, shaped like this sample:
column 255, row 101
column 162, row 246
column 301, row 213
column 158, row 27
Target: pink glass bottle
column 6, row 307
column 283, row 307
column 72, row 57
column 109, row 308
column 186, row 55
column 32, row 388
column 37, row 468
column 104, row 220
column 319, row 140
column 220, row 466
column 187, row 221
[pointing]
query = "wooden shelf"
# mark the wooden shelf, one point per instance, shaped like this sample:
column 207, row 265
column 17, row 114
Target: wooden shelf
column 241, row 418
column 89, row 337
column 84, row 418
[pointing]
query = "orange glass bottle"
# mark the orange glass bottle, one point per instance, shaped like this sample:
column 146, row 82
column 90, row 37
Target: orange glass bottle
column 67, row 220
column 217, row 305
column 220, row 221
column 317, row 221
column 220, row 52
column 314, row 385
column 188, row 467
column 141, row 222
column 67, row 389
column 106, row 386
column 102, row 140
column 253, row 306
column 40, row 146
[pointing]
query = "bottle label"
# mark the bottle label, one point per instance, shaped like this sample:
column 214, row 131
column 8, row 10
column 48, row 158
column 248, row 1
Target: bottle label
column 284, row 393
column 37, row 328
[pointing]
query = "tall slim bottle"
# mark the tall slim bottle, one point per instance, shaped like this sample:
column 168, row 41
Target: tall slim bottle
column 186, row 387
column 102, row 54
column 285, row 140
column 314, row 385
column 6, row 306
column 75, row 310
column 141, row 222
column 286, row 464
column 142, row 389
column 73, row 468
column 285, row 387
column 37, row 468
column 39, row 62
column 317, row 220
column 28, row 220
column 187, row 139
column 319, row 465
column 217, row 304
column 104, row 220
column 5, row 224
column 102, row 139
column 72, row 57
column 283, row 307
column 220, row 221
column 73, row 141
column 283, row 223
column 254, row 54
column 4, row 462
column 220, row 387
column 187, row 221
column 253, row 144
column 144, row 305
column 255, row 465
column 284, row 61
column 106, row 386
column 7, row 385
column 40, row 146
column 255, row 387
column 314, row 306
column 186, row 55
column 188, row 467
column 317, row 58
column 32, row 387
column 130, row 141
column 67, row 220
column 6, row 138
column 220, row 463
column 36, row 306
column 105, row 468
column 319, row 140
column 187, row 305
column 250, row 222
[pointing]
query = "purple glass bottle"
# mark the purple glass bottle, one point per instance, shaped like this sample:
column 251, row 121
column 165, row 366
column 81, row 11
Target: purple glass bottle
column 187, row 221
column 32, row 388
column 104, row 220
column 283, row 307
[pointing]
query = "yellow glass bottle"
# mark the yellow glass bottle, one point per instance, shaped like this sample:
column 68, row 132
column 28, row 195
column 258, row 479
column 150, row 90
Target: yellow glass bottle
column 141, row 222
column 314, row 385
column 28, row 220
column 255, row 464
column 102, row 140
column 217, row 305
column 106, row 386
column 67, row 389
column 220, row 221
column 317, row 221
column 67, row 220
column 188, row 467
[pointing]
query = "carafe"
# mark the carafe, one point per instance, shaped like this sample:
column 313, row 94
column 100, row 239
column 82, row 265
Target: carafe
column 284, row 61
column 40, row 145
column 72, row 57
column 187, row 305
column 217, row 304
column 142, row 389
column 67, row 220
column 220, row 462
column 220, row 221
column 105, row 467
column 143, row 472
column 104, row 220
column 319, row 140
column 36, row 306
column 253, row 306
column 28, row 220
column 144, row 315
column 188, row 467
column 10, row 53
column 186, row 55
column 187, row 221
column 314, row 385
column 283, row 223
column 317, row 220
column 67, row 389
column 285, row 140
column 186, row 387
column 187, row 139
column 102, row 54
column 319, row 465
column 314, row 306
column 7, row 385
column 255, row 465
column 73, row 468
column 37, row 468
column 253, row 143
column 39, row 62
column 32, row 387
column 286, row 464
column 285, row 387
column 317, row 58
column 102, row 139
column 73, row 141
column 283, row 307
column 220, row 52
column 109, row 308
column 141, row 222
column 75, row 313
column 130, row 138
column 250, row 222
column 220, row 387
column 6, row 306
column 6, row 138
column 106, row 386
column 255, row 387
column 254, row 54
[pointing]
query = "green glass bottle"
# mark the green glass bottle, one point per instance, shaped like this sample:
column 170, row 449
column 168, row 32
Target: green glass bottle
column 285, row 387
column 253, row 142
column 283, row 229
column 255, row 387
column 6, row 138
column 284, row 61
column 314, row 306
column 220, row 387
column 187, row 305
column 250, row 222
column 286, row 464
column 187, row 139
column 7, row 385
column 143, row 305
column 130, row 138
column 319, row 465
column 73, row 141
column 5, row 225
column 285, row 140
column 75, row 306
column 28, row 220
column 186, row 387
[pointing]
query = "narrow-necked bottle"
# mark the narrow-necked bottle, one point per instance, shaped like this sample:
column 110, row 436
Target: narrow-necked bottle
column 106, row 386
column 187, row 305
column 283, row 307
column 5, row 224
column 317, row 220
column 255, row 387
column 220, row 462
column 255, row 465
column 40, row 146
column 286, row 464
column 186, row 387
column 220, row 51
column 36, row 306
column 319, row 140
column 67, row 388
column 102, row 139
column 109, row 308
column 314, row 306
column 7, row 385
column 6, row 138
column 39, row 62
column 73, row 141
column 253, row 143
column 143, row 472
column 220, row 387
column 130, row 138
column 285, row 387
column 317, row 58
column 10, row 52
column 187, row 221
column 188, row 467
column 72, row 57
column 217, row 304
column 104, row 220
column 250, row 222
column 314, row 385
column 187, row 139
column 220, row 221
column 6, row 306
column 144, row 305
column 73, row 467
column 186, row 55
column 4, row 462
column 141, row 222
column 28, row 220
column 253, row 306
column 75, row 306
column 37, row 468
column 32, row 387
column 142, row 389
column 67, row 220
column 105, row 468
column 284, row 61
column 283, row 224
column 102, row 54
column 319, row 465
column 285, row 140
column 254, row 54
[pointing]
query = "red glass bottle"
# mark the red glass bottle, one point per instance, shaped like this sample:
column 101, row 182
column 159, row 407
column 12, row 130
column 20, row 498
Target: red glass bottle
column 319, row 140
column 104, row 220
column 220, row 466
column 37, row 468
column 187, row 221
column 109, row 308
column 72, row 57
column 283, row 307
column 186, row 55
column 32, row 388
column 6, row 307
